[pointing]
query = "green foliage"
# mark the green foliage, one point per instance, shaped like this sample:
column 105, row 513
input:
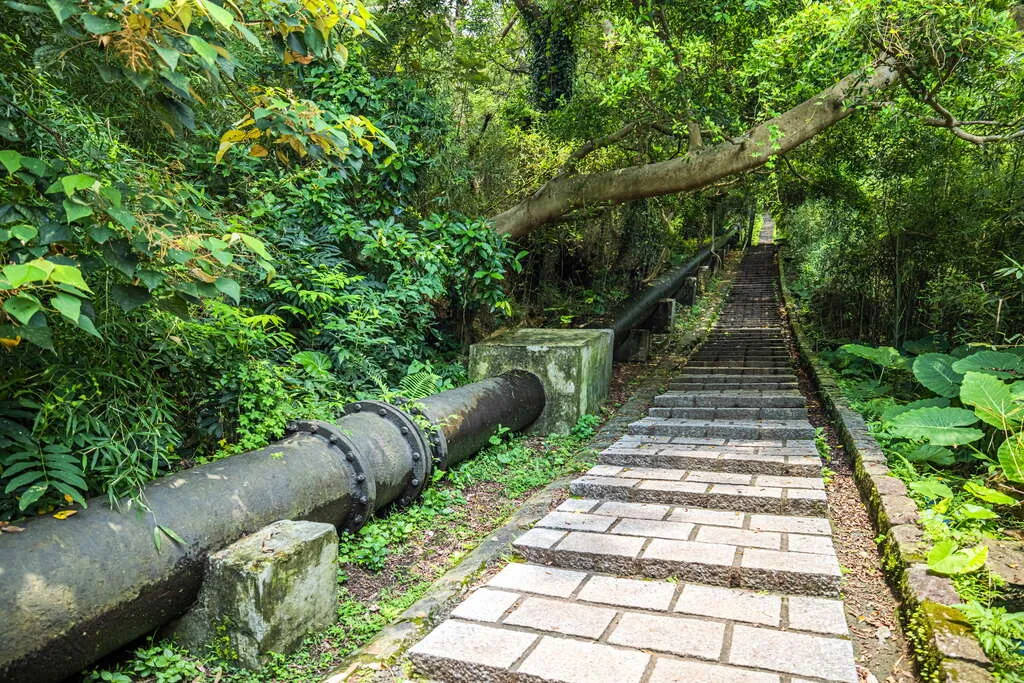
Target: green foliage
column 946, row 559
column 162, row 663
column 1000, row 633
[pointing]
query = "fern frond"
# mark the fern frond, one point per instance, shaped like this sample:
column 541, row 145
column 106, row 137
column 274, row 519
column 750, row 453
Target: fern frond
column 418, row 385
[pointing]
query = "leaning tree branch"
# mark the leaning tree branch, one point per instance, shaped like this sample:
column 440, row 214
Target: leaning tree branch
column 956, row 127
column 699, row 168
column 596, row 144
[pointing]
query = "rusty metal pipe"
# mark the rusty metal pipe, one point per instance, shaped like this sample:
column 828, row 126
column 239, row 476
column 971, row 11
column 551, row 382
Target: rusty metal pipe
column 78, row 589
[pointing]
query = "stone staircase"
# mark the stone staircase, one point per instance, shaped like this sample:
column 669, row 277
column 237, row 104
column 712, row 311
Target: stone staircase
column 698, row 550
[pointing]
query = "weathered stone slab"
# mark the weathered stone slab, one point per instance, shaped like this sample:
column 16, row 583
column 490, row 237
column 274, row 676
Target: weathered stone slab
column 266, row 592
column 575, row 367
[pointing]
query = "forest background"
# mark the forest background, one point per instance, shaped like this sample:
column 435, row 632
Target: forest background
column 215, row 217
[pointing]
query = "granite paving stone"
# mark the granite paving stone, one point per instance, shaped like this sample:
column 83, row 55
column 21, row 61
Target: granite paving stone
column 697, row 550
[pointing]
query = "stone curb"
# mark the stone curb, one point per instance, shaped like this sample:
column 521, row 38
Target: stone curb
column 383, row 650
column 943, row 643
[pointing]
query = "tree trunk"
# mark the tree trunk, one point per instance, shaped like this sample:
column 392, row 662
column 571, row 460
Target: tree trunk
column 696, row 169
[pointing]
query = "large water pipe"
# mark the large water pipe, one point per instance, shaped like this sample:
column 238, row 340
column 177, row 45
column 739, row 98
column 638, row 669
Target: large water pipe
column 635, row 310
column 78, row 589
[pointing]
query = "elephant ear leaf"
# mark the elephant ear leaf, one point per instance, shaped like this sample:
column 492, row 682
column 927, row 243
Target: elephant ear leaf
column 1011, row 457
column 946, row 559
column 937, row 426
column 992, row 401
column 997, row 363
column 935, row 371
column 886, row 356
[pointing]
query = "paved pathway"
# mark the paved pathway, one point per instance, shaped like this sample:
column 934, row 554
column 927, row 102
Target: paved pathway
column 697, row 551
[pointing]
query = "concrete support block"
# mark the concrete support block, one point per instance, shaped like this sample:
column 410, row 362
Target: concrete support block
column 703, row 277
column 635, row 348
column 575, row 367
column 265, row 593
column 664, row 316
column 687, row 295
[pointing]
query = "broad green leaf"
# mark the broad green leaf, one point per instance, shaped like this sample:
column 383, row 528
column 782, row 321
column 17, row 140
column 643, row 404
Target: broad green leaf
column 69, row 275
column 76, row 211
column 997, row 363
column 972, row 511
column 32, row 494
column 893, row 411
column 151, row 278
column 255, row 245
column 992, row 401
column 22, row 7
column 169, row 55
column 938, row 426
column 100, row 233
column 129, row 297
column 23, row 479
column 935, row 371
column 24, row 232
column 988, row 495
column 70, row 491
column 22, row 307
column 203, row 49
column 1011, row 457
column 63, row 9
column 886, row 356
column 85, row 323
column 68, row 306
column 123, row 217
column 933, row 454
column 78, row 181
column 11, row 160
column 933, row 489
column 218, row 13
column 99, row 25
column 23, row 273
column 229, row 287
column 112, row 195
column 945, row 559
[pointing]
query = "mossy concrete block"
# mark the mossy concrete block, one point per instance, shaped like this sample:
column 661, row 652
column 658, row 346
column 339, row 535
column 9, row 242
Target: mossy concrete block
column 265, row 593
column 575, row 367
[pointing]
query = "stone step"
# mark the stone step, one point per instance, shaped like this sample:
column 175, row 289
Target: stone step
column 731, row 398
column 699, row 377
column 744, row 459
column 737, row 362
column 730, row 386
column 729, row 429
column 794, row 446
column 691, row 545
column 535, row 623
column 713, row 413
column 773, row 494
column 744, row 355
column 734, row 371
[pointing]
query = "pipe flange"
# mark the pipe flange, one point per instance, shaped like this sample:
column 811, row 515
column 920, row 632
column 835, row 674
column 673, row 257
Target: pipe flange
column 366, row 488
column 436, row 439
column 420, row 449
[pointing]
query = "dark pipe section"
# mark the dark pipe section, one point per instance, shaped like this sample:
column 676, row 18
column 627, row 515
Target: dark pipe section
column 638, row 308
column 465, row 418
column 76, row 590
